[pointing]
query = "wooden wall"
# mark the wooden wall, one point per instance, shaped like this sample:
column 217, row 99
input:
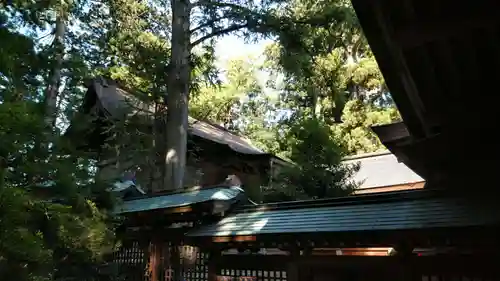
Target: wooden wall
column 200, row 173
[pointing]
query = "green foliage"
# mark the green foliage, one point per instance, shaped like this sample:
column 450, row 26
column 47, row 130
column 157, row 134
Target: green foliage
column 19, row 64
column 329, row 73
column 315, row 147
column 221, row 104
column 326, row 78
column 50, row 227
column 54, row 221
column 127, row 41
column 41, row 240
column 317, row 170
column 355, row 133
column 23, row 252
column 240, row 105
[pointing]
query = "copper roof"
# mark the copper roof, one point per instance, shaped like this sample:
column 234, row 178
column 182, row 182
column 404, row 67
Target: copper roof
column 179, row 199
column 408, row 210
column 382, row 169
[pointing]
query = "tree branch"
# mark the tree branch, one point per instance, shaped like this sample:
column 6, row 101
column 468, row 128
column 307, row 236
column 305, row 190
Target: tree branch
column 219, row 32
column 216, row 4
column 208, row 23
column 313, row 22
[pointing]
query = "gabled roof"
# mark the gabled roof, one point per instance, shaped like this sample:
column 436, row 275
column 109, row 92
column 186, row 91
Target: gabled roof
column 220, row 135
column 117, row 103
column 179, row 199
column 428, row 61
column 381, row 170
column 395, row 211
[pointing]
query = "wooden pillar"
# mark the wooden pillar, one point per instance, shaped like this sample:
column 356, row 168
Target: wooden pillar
column 406, row 270
column 212, row 265
column 155, row 250
column 293, row 267
column 146, row 248
column 292, row 271
column 175, row 262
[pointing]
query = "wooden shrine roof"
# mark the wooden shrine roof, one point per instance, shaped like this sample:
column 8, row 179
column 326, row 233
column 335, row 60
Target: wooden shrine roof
column 435, row 55
column 381, row 169
column 117, row 103
column 179, row 199
column 406, row 210
column 436, row 58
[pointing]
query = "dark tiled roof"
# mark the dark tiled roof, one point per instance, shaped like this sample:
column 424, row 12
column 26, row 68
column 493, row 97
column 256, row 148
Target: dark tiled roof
column 179, row 199
column 411, row 210
column 116, row 102
column 382, row 169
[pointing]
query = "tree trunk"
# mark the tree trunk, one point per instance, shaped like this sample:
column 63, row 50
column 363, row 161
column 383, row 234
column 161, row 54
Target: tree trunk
column 178, row 96
column 315, row 95
column 318, row 109
column 52, row 91
column 157, row 166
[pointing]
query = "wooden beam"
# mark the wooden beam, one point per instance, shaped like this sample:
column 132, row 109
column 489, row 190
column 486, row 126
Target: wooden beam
column 213, row 265
column 261, row 262
column 391, row 132
column 154, row 260
column 293, row 270
column 391, row 61
column 420, row 33
column 175, row 262
column 459, row 237
column 399, row 65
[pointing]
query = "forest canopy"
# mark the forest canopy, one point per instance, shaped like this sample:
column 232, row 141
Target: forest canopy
column 321, row 92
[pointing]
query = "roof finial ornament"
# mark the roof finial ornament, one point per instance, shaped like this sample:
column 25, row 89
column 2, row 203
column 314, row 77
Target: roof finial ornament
column 232, row 180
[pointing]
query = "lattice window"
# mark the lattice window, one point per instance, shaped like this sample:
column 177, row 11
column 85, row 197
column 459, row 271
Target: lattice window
column 131, row 263
column 197, row 271
column 251, row 275
column 193, row 264
column 132, row 254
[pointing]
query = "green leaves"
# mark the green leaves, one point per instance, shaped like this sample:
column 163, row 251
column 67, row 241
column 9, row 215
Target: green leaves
column 330, row 73
column 225, row 104
column 49, row 226
column 355, row 133
column 317, row 171
column 22, row 250
column 46, row 212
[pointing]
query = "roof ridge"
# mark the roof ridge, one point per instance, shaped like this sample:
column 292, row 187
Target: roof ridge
column 346, row 200
column 184, row 190
column 106, row 81
column 244, row 144
column 221, row 128
column 367, row 155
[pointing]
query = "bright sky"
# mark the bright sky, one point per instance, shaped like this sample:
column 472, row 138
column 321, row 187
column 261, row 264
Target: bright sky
column 232, row 47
